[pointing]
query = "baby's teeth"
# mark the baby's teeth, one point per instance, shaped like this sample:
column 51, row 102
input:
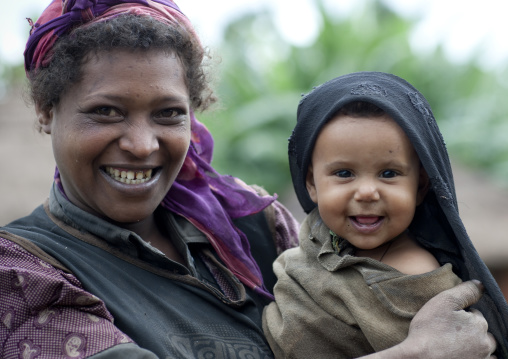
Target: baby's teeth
column 139, row 175
column 123, row 174
column 130, row 175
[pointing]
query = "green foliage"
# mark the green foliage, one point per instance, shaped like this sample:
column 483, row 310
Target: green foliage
column 11, row 75
column 262, row 78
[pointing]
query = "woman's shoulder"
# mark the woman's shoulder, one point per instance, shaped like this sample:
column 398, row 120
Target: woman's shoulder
column 40, row 301
column 36, row 222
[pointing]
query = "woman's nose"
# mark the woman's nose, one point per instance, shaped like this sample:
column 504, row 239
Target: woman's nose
column 366, row 191
column 141, row 141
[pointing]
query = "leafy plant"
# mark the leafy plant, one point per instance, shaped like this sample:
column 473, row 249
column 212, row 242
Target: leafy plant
column 262, row 78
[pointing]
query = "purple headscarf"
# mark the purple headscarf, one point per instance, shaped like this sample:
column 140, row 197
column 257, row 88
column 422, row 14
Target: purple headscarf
column 207, row 199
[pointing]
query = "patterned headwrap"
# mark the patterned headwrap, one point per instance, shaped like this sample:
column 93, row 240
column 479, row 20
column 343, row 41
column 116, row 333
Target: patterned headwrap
column 206, row 198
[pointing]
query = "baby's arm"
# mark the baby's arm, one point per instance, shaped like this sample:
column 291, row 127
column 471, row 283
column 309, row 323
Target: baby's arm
column 442, row 329
column 408, row 257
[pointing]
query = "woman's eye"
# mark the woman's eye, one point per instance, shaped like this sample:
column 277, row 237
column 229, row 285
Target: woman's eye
column 106, row 111
column 344, row 174
column 168, row 114
column 388, row 174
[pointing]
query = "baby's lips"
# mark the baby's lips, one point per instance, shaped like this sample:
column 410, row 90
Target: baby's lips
column 366, row 219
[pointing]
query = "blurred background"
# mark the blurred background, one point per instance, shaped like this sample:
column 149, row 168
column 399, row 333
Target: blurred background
column 267, row 53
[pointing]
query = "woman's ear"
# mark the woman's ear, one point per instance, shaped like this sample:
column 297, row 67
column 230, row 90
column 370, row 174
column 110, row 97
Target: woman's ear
column 423, row 186
column 44, row 117
column 310, row 184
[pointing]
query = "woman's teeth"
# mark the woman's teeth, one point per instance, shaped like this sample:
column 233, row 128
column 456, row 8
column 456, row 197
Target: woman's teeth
column 129, row 177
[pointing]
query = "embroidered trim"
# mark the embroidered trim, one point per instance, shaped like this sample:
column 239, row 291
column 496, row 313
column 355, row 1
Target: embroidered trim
column 369, row 89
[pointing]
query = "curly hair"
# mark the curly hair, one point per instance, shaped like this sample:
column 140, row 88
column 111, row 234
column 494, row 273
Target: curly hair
column 132, row 32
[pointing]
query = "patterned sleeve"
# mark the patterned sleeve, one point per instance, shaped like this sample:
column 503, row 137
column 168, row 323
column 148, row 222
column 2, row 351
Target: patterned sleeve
column 286, row 228
column 45, row 312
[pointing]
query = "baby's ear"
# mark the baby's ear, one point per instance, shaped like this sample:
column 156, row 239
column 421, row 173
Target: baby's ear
column 44, row 117
column 423, row 185
column 310, row 184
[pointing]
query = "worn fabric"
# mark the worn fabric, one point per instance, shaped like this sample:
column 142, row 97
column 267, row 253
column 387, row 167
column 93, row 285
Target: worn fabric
column 36, row 297
column 437, row 225
column 80, row 275
column 209, row 200
column 331, row 306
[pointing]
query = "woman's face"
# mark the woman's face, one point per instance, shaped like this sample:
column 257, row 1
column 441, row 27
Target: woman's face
column 121, row 134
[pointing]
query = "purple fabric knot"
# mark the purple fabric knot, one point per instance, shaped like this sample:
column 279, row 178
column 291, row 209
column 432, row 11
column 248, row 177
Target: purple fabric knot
column 79, row 10
column 61, row 16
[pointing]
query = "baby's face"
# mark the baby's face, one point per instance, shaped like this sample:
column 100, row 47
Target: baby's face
column 365, row 178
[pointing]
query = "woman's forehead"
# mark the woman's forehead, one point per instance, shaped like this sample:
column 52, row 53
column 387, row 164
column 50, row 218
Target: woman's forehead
column 127, row 60
column 123, row 73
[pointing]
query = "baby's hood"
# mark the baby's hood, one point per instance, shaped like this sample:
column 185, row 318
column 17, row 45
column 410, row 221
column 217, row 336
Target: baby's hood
column 437, row 225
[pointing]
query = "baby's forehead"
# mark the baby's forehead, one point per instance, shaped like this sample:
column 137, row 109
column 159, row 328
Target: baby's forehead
column 382, row 125
column 381, row 117
column 343, row 120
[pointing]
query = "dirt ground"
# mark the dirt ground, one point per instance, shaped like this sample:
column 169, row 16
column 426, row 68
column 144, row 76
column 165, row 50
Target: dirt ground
column 28, row 158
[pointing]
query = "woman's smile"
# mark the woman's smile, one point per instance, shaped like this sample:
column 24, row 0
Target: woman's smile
column 132, row 183
column 129, row 176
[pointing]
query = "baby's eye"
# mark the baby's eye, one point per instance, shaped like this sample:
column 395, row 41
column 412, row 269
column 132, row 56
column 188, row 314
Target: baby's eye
column 388, row 174
column 344, row 174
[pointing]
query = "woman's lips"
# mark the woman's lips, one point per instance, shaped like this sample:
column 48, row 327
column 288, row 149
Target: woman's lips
column 129, row 176
column 366, row 224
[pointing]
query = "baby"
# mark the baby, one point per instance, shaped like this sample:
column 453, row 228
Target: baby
column 382, row 235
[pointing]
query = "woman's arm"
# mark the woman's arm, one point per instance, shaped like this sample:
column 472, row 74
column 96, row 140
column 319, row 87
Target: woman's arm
column 443, row 329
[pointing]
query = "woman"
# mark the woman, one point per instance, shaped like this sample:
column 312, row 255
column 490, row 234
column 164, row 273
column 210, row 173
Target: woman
column 143, row 250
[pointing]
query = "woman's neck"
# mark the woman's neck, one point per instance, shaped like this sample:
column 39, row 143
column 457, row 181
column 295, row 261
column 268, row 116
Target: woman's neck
column 150, row 232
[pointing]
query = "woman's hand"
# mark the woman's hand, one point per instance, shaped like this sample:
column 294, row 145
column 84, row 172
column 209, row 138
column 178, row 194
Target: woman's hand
column 443, row 329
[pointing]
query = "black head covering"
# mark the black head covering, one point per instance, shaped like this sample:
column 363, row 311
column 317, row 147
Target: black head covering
column 436, row 225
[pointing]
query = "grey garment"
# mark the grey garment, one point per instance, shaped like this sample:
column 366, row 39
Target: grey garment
column 129, row 243
column 156, row 302
column 436, row 225
column 331, row 306
column 124, row 351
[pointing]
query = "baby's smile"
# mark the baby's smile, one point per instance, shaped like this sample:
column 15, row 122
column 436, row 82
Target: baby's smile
column 366, row 224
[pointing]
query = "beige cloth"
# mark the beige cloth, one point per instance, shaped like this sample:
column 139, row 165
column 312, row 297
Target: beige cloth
column 331, row 306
